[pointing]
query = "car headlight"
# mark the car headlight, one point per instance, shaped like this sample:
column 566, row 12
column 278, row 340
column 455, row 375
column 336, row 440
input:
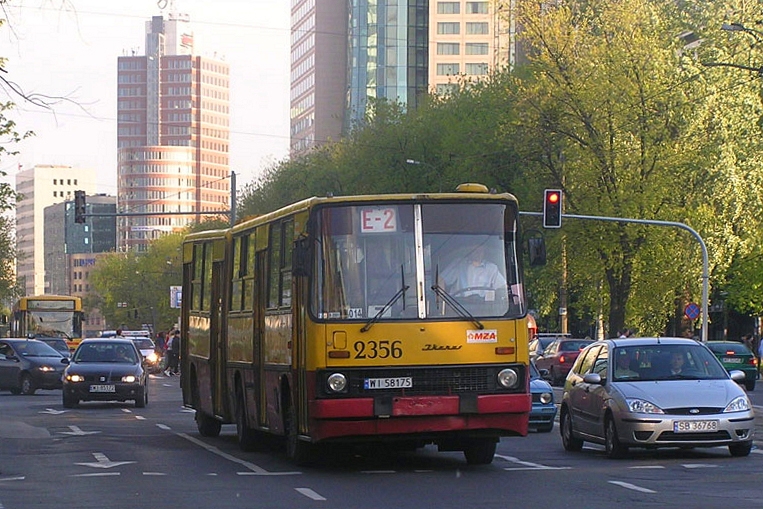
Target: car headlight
column 546, row 398
column 508, row 378
column 75, row 378
column 129, row 379
column 45, row 369
column 152, row 357
column 640, row 406
column 336, row 382
column 738, row 404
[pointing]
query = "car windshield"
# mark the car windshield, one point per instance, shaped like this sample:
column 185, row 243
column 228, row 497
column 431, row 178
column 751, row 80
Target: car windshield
column 106, row 352
column 59, row 345
column 143, row 343
column 572, row 346
column 35, row 349
column 666, row 362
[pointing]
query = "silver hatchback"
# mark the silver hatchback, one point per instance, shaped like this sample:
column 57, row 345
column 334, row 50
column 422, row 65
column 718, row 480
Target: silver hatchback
column 654, row 392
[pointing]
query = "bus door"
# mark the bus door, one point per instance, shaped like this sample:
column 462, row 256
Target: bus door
column 260, row 304
column 217, row 352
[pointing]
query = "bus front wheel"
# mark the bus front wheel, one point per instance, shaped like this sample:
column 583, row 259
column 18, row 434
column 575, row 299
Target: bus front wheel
column 299, row 451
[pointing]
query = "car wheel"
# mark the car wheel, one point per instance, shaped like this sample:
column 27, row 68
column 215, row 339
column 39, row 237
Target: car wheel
column 245, row 435
column 614, row 448
column 741, row 449
column 480, row 451
column 142, row 400
column 27, row 387
column 569, row 441
column 207, row 426
column 70, row 402
column 749, row 385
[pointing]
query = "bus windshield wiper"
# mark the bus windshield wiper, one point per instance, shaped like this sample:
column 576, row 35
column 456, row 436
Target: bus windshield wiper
column 448, row 298
column 400, row 293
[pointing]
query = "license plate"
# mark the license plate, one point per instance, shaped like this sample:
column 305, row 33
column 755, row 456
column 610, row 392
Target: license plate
column 732, row 360
column 694, row 426
column 402, row 382
column 102, row 388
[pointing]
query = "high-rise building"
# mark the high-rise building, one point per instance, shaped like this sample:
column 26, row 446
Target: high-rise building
column 40, row 187
column 173, row 132
column 397, row 50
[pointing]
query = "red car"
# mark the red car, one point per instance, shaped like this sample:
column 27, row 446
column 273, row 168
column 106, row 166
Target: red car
column 559, row 356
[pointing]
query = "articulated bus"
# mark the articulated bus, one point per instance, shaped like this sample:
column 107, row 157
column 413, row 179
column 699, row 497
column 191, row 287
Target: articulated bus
column 331, row 321
column 57, row 316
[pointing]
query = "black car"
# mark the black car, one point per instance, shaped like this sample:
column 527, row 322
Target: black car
column 59, row 344
column 106, row 369
column 29, row 364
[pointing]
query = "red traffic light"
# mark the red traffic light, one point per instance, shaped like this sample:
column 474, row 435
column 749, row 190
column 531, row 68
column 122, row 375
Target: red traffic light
column 552, row 208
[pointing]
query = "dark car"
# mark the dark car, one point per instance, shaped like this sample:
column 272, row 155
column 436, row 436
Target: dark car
column 734, row 355
column 105, row 370
column 59, row 344
column 539, row 344
column 543, row 409
column 29, row 364
column 558, row 357
column 654, row 392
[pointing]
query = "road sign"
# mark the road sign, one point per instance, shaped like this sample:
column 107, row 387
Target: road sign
column 691, row 311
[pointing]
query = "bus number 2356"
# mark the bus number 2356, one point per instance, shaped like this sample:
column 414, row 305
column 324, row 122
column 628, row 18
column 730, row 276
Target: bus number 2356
column 378, row 349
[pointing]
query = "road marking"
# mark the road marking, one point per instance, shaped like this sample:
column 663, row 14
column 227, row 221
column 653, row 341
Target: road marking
column 163, row 426
column 255, row 470
column 630, row 486
column 75, row 430
column 53, row 411
column 17, row 478
column 527, row 465
column 309, row 493
column 698, row 465
column 155, row 473
column 140, row 417
column 99, row 474
column 757, row 451
column 127, row 410
column 645, row 467
column 377, row 471
column 103, row 462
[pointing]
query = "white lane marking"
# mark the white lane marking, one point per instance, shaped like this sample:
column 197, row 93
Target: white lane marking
column 155, row 473
column 99, row 474
column 698, row 465
column 102, row 461
column 214, row 450
column 630, row 486
column 163, row 426
column 377, row 471
column 127, row 410
column 17, row 478
column 140, row 417
column 757, row 451
column 75, row 430
column 526, row 465
column 274, row 474
column 53, row 411
column 645, row 467
column 309, row 493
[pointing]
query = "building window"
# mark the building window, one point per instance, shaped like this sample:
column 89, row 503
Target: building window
column 477, row 28
column 447, row 69
column 448, row 28
column 476, row 48
column 476, row 69
column 476, row 8
column 449, row 7
column 448, row 48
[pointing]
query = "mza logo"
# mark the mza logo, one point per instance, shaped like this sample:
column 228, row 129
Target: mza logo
column 482, row 336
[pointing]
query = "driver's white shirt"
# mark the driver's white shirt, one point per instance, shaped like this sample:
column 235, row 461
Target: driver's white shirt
column 482, row 275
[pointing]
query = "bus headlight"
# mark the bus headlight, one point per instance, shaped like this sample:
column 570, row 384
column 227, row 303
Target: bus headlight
column 508, row 378
column 336, row 382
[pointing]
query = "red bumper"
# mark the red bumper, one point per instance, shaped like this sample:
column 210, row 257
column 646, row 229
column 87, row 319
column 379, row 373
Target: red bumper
column 506, row 414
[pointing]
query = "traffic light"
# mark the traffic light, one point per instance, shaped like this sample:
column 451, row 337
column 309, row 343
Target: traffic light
column 79, row 206
column 552, row 208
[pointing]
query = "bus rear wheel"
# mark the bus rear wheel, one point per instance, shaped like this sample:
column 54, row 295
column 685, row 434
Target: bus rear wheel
column 207, row 426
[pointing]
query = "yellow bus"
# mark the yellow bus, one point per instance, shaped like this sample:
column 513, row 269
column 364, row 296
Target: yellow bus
column 341, row 320
column 48, row 316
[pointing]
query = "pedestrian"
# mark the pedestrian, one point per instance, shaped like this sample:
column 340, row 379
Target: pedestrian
column 118, row 334
column 173, row 353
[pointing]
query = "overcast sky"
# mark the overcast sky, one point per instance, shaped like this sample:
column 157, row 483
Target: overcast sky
column 69, row 48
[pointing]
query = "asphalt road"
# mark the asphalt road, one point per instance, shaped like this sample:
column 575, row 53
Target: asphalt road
column 112, row 455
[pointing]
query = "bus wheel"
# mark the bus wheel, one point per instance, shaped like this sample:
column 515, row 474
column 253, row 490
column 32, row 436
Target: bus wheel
column 207, row 426
column 297, row 450
column 246, row 436
column 480, row 451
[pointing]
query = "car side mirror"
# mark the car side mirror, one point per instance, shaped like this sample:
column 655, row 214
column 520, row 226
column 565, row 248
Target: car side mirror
column 64, row 360
column 592, row 378
column 737, row 375
column 543, row 373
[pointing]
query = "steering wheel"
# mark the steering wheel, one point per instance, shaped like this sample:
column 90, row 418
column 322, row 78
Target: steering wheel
column 462, row 291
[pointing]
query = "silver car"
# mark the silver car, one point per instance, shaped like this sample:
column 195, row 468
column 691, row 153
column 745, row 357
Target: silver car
column 654, row 392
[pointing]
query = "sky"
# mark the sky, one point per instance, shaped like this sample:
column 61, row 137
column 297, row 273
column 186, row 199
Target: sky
column 69, row 48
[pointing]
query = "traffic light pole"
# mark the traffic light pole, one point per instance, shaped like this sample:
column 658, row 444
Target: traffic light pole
column 674, row 224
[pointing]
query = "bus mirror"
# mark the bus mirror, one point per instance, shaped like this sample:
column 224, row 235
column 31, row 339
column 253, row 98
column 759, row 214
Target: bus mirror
column 300, row 257
column 536, row 247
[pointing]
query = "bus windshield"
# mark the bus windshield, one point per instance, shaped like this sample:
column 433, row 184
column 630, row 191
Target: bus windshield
column 407, row 261
column 54, row 324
